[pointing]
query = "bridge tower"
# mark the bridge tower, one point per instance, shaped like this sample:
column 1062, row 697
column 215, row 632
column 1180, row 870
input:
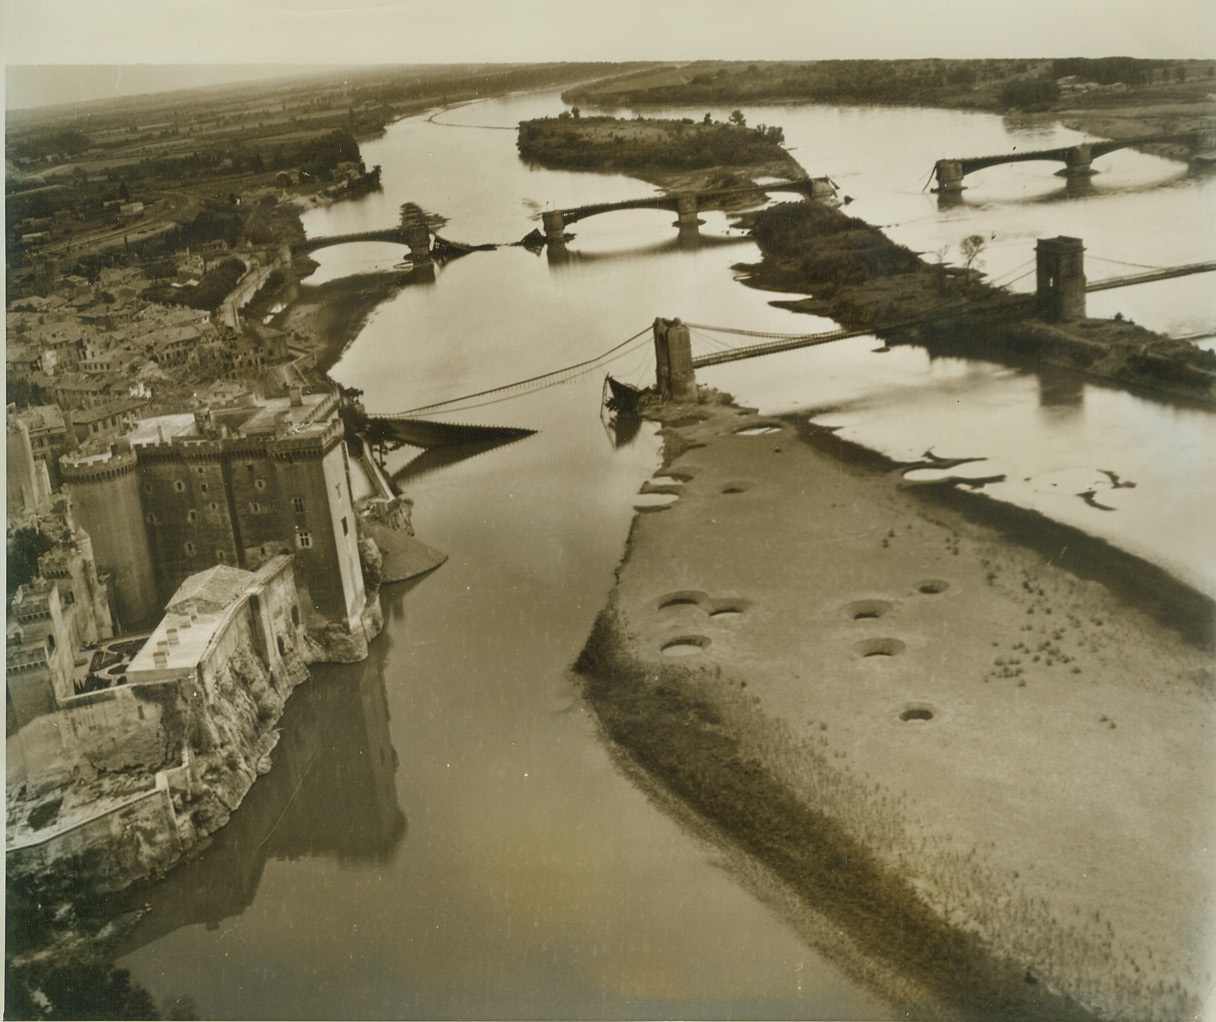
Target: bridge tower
column 1060, row 294
column 949, row 174
column 675, row 376
column 555, row 225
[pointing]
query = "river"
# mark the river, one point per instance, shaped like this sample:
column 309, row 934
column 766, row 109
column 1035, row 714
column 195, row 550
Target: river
column 444, row 833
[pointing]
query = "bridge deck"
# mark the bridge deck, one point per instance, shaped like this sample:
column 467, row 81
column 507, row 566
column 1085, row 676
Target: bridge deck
column 1061, row 154
column 1150, row 276
column 670, row 200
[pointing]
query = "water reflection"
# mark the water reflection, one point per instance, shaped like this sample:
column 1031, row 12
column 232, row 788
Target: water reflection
column 689, row 239
column 1060, row 390
column 331, row 793
column 622, row 428
column 434, row 458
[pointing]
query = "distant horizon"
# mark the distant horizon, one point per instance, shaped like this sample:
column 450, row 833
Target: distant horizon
column 64, row 39
column 31, row 87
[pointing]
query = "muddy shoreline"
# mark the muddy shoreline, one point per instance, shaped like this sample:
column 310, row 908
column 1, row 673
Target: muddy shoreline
column 958, row 902
column 326, row 318
column 1139, row 584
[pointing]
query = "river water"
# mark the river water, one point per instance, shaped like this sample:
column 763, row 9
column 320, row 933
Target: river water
column 444, row 833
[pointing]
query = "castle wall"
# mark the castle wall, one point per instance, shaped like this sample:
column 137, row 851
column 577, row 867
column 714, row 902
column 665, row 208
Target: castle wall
column 128, row 841
column 243, row 500
column 125, row 728
column 188, row 514
column 31, row 694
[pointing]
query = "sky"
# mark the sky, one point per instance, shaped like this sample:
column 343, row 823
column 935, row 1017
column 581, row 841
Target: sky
column 254, row 33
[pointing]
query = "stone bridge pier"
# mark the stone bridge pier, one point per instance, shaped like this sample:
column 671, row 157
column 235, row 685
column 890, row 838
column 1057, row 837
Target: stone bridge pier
column 949, row 174
column 686, row 212
column 1080, row 161
column 674, row 374
column 418, row 238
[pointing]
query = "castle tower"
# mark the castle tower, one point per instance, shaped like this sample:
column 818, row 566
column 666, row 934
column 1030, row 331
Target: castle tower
column 104, row 489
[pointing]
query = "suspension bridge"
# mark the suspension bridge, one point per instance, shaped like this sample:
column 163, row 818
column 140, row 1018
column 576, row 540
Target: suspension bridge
column 1060, row 280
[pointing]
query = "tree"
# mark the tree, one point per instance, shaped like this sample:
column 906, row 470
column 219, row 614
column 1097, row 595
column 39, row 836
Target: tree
column 25, row 546
column 971, row 247
column 708, row 118
column 941, row 268
column 736, row 117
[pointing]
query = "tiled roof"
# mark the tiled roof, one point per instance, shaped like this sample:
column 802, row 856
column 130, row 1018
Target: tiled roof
column 213, row 589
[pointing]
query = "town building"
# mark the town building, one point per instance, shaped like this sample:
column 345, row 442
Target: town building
column 39, row 658
column 107, row 419
column 28, row 485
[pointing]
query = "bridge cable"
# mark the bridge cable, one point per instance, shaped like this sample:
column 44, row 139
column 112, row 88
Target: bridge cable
column 556, row 381
column 577, row 366
column 1121, row 262
column 1023, row 269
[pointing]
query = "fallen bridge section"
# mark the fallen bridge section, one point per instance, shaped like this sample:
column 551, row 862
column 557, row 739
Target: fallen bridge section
column 427, row 433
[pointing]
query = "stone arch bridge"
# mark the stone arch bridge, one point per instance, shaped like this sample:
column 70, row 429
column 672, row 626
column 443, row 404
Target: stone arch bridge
column 1077, row 159
column 685, row 205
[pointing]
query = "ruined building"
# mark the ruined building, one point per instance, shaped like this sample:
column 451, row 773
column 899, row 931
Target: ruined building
column 51, row 618
column 123, row 780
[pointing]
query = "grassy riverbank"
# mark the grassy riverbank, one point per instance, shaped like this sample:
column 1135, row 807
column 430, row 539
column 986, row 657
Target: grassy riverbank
column 976, row 765
column 1169, row 95
column 857, row 276
column 677, row 155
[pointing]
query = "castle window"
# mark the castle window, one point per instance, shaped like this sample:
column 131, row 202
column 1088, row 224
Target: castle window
column 298, row 504
column 192, row 515
column 179, row 485
column 282, row 645
column 254, row 506
column 203, row 487
column 303, row 539
column 214, row 506
column 295, row 615
column 345, row 527
column 221, row 557
column 259, row 484
column 152, row 518
column 189, row 548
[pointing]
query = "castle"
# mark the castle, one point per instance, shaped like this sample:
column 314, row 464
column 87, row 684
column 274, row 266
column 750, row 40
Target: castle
column 229, row 534
column 234, row 484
